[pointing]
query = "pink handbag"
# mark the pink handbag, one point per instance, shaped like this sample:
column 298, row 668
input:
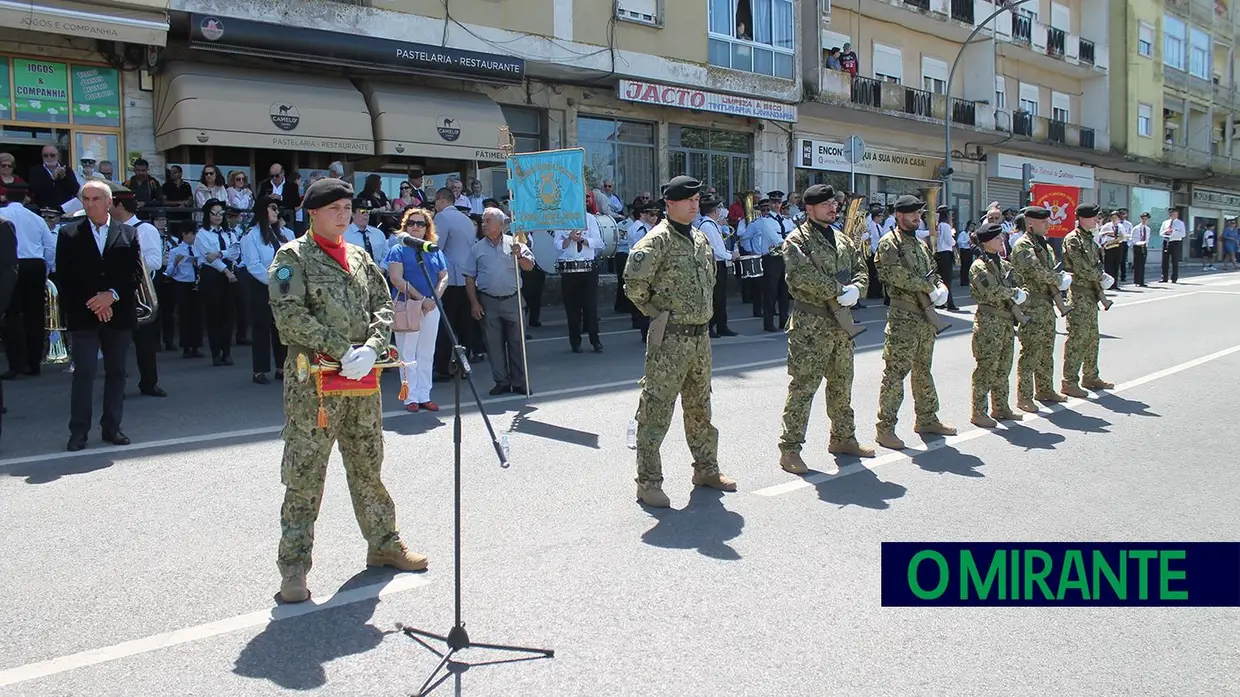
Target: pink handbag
column 408, row 314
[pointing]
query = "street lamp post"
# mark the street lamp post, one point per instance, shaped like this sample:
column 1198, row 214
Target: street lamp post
column 947, row 160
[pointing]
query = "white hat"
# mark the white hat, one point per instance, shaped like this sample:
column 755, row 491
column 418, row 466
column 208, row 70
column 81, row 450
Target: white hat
column 88, row 157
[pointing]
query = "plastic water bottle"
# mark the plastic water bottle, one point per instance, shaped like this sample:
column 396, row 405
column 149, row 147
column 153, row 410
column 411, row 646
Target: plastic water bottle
column 503, row 444
column 630, row 435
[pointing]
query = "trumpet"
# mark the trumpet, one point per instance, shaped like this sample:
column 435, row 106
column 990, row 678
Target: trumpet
column 57, row 351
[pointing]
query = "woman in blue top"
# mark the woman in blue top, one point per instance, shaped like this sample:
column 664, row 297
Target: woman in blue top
column 258, row 248
column 409, row 284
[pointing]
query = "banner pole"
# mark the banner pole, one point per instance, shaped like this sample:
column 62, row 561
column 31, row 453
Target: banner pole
column 507, row 147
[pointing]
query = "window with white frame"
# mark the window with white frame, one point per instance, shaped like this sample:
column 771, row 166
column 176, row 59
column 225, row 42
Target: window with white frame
column 1145, row 40
column 1061, row 17
column 888, row 64
column 1060, row 109
column 1000, row 92
column 1145, row 120
column 1199, row 54
column 933, row 75
column 1174, row 35
column 756, row 36
column 642, row 11
column 1029, row 98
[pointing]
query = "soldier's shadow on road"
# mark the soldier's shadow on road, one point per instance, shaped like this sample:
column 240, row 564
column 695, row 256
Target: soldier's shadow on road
column 416, row 424
column 948, row 460
column 704, row 525
column 1030, row 439
column 863, row 489
column 1076, row 421
column 1120, row 405
column 48, row 472
column 292, row 652
column 523, row 424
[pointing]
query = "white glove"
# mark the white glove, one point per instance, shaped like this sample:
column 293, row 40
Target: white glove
column 1107, row 281
column 357, row 363
column 1020, row 297
column 850, row 296
column 939, row 298
column 1065, row 280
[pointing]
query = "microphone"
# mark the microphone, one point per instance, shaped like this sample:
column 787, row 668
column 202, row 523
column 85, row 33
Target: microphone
column 421, row 245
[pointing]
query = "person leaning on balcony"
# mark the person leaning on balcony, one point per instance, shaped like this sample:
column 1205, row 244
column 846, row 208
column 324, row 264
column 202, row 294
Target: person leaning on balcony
column 833, row 58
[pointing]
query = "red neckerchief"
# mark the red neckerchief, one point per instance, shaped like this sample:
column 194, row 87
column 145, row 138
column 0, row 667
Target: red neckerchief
column 335, row 250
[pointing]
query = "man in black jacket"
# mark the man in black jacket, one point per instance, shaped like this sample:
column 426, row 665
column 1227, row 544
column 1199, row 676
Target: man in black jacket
column 52, row 183
column 97, row 264
column 8, row 280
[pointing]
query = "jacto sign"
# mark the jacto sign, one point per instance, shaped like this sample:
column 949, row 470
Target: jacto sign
column 701, row 100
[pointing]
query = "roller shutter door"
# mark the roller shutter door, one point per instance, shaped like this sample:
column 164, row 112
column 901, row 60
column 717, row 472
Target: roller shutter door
column 1006, row 191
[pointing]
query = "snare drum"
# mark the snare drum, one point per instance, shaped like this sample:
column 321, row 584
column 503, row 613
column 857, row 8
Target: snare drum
column 563, row 266
column 608, row 230
column 751, row 266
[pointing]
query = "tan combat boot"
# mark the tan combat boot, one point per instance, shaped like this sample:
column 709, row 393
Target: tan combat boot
column 1027, row 404
column 652, row 495
column 849, row 447
column 1005, row 413
column 936, row 428
column 983, row 421
column 888, row 439
column 1071, row 389
column 714, row 480
column 1050, row 397
column 293, row 589
column 398, row 558
column 792, row 463
column 1097, row 384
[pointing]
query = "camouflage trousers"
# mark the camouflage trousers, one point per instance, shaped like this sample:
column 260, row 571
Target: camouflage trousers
column 357, row 424
column 909, row 348
column 1037, row 351
column 994, row 341
column 817, row 350
column 1080, row 353
column 680, row 365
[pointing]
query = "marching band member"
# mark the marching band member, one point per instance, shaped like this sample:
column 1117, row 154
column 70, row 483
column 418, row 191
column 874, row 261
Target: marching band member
column 711, row 212
column 218, row 280
column 768, row 242
column 182, row 270
column 579, row 284
column 646, row 221
column 258, row 250
column 1140, row 247
column 1110, row 238
column 145, row 337
column 945, row 254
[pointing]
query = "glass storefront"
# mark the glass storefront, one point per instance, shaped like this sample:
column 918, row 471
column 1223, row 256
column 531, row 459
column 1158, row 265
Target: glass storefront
column 619, row 151
column 717, row 158
column 806, row 178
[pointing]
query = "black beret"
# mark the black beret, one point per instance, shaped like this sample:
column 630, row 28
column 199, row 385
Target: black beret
column 816, row 194
column 1087, row 210
column 1036, row 213
column 709, row 202
column 681, row 188
column 909, row 204
column 988, row 232
column 325, row 192
column 362, row 204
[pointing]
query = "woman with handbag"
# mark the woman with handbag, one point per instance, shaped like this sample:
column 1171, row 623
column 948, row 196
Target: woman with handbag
column 417, row 317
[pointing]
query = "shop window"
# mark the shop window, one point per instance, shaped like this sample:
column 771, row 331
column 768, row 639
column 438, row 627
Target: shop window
column 618, row 151
column 752, row 35
column 720, row 159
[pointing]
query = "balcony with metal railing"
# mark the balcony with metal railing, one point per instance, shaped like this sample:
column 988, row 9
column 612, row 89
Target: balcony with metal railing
column 1022, row 29
column 1043, row 130
column 950, row 20
column 872, row 99
column 867, row 91
column 964, row 112
column 919, row 4
column 1056, row 42
column 963, row 11
column 918, row 102
column 1047, row 48
column 1085, row 52
column 1022, row 124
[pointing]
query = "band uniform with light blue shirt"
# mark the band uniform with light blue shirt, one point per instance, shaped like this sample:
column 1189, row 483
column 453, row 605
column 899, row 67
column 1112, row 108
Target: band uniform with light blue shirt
column 256, row 257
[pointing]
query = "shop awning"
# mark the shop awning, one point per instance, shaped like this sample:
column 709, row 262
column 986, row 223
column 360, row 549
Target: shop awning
column 201, row 104
column 434, row 123
column 87, row 21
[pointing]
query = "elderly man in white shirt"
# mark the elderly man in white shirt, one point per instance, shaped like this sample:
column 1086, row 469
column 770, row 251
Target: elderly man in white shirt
column 576, row 265
column 1172, row 233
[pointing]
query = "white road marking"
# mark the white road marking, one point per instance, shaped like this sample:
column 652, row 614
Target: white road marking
column 1130, row 303
column 43, row 669
column 974, row 434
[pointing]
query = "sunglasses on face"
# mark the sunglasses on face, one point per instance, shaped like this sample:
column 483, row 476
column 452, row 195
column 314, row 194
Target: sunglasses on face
column 416, row 223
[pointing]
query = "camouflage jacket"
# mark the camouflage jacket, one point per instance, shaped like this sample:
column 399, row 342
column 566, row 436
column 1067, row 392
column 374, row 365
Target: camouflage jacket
column 903, row 262
column 1034, row 263
column 988, row 282
column 320, row 307
column 666, row 272
column 812, row 265
column 1082, row 257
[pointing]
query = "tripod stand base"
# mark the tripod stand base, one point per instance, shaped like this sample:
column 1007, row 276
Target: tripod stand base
column 458, row 640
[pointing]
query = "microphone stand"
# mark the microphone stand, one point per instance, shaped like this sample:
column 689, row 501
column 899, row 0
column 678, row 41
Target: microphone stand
column 457, row 638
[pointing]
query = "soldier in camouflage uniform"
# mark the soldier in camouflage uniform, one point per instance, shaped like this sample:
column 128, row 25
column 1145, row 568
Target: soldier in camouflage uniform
column 1033, row 260
column 1083, row 259
column 670, row 277
column 815, row 257
column 994, row 333
column 329, row 297
column 906, row 270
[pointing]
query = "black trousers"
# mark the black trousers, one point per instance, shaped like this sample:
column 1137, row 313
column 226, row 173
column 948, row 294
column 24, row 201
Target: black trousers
column 1171, row 260
column 875, row 289
column 242, row 305
column 774, row 292
column 166, row 292
column 84, row 347
column 145, row 347
column 945, row 261
column 189, row 310
column 532, row 283
column 580, row 292
column 262, row 327
column 719, row 316
column 1123, row 261
column 25, row 323
column 623, row 304
column 1111, row 260
column 966, row 260
column 219, row 301
column 456, row 312
column 1138, row 263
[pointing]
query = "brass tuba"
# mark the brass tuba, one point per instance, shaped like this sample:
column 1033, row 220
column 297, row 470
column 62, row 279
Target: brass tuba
column 57, row 352
column 932, row 223
column 146, row 300
column 751, row 212
column 854, row 221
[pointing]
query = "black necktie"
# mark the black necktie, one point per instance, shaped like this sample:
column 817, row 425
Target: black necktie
column 366, row 242
column 220, row 233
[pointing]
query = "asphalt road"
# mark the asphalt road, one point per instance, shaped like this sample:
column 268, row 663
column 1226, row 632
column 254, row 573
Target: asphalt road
column 149, row 570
